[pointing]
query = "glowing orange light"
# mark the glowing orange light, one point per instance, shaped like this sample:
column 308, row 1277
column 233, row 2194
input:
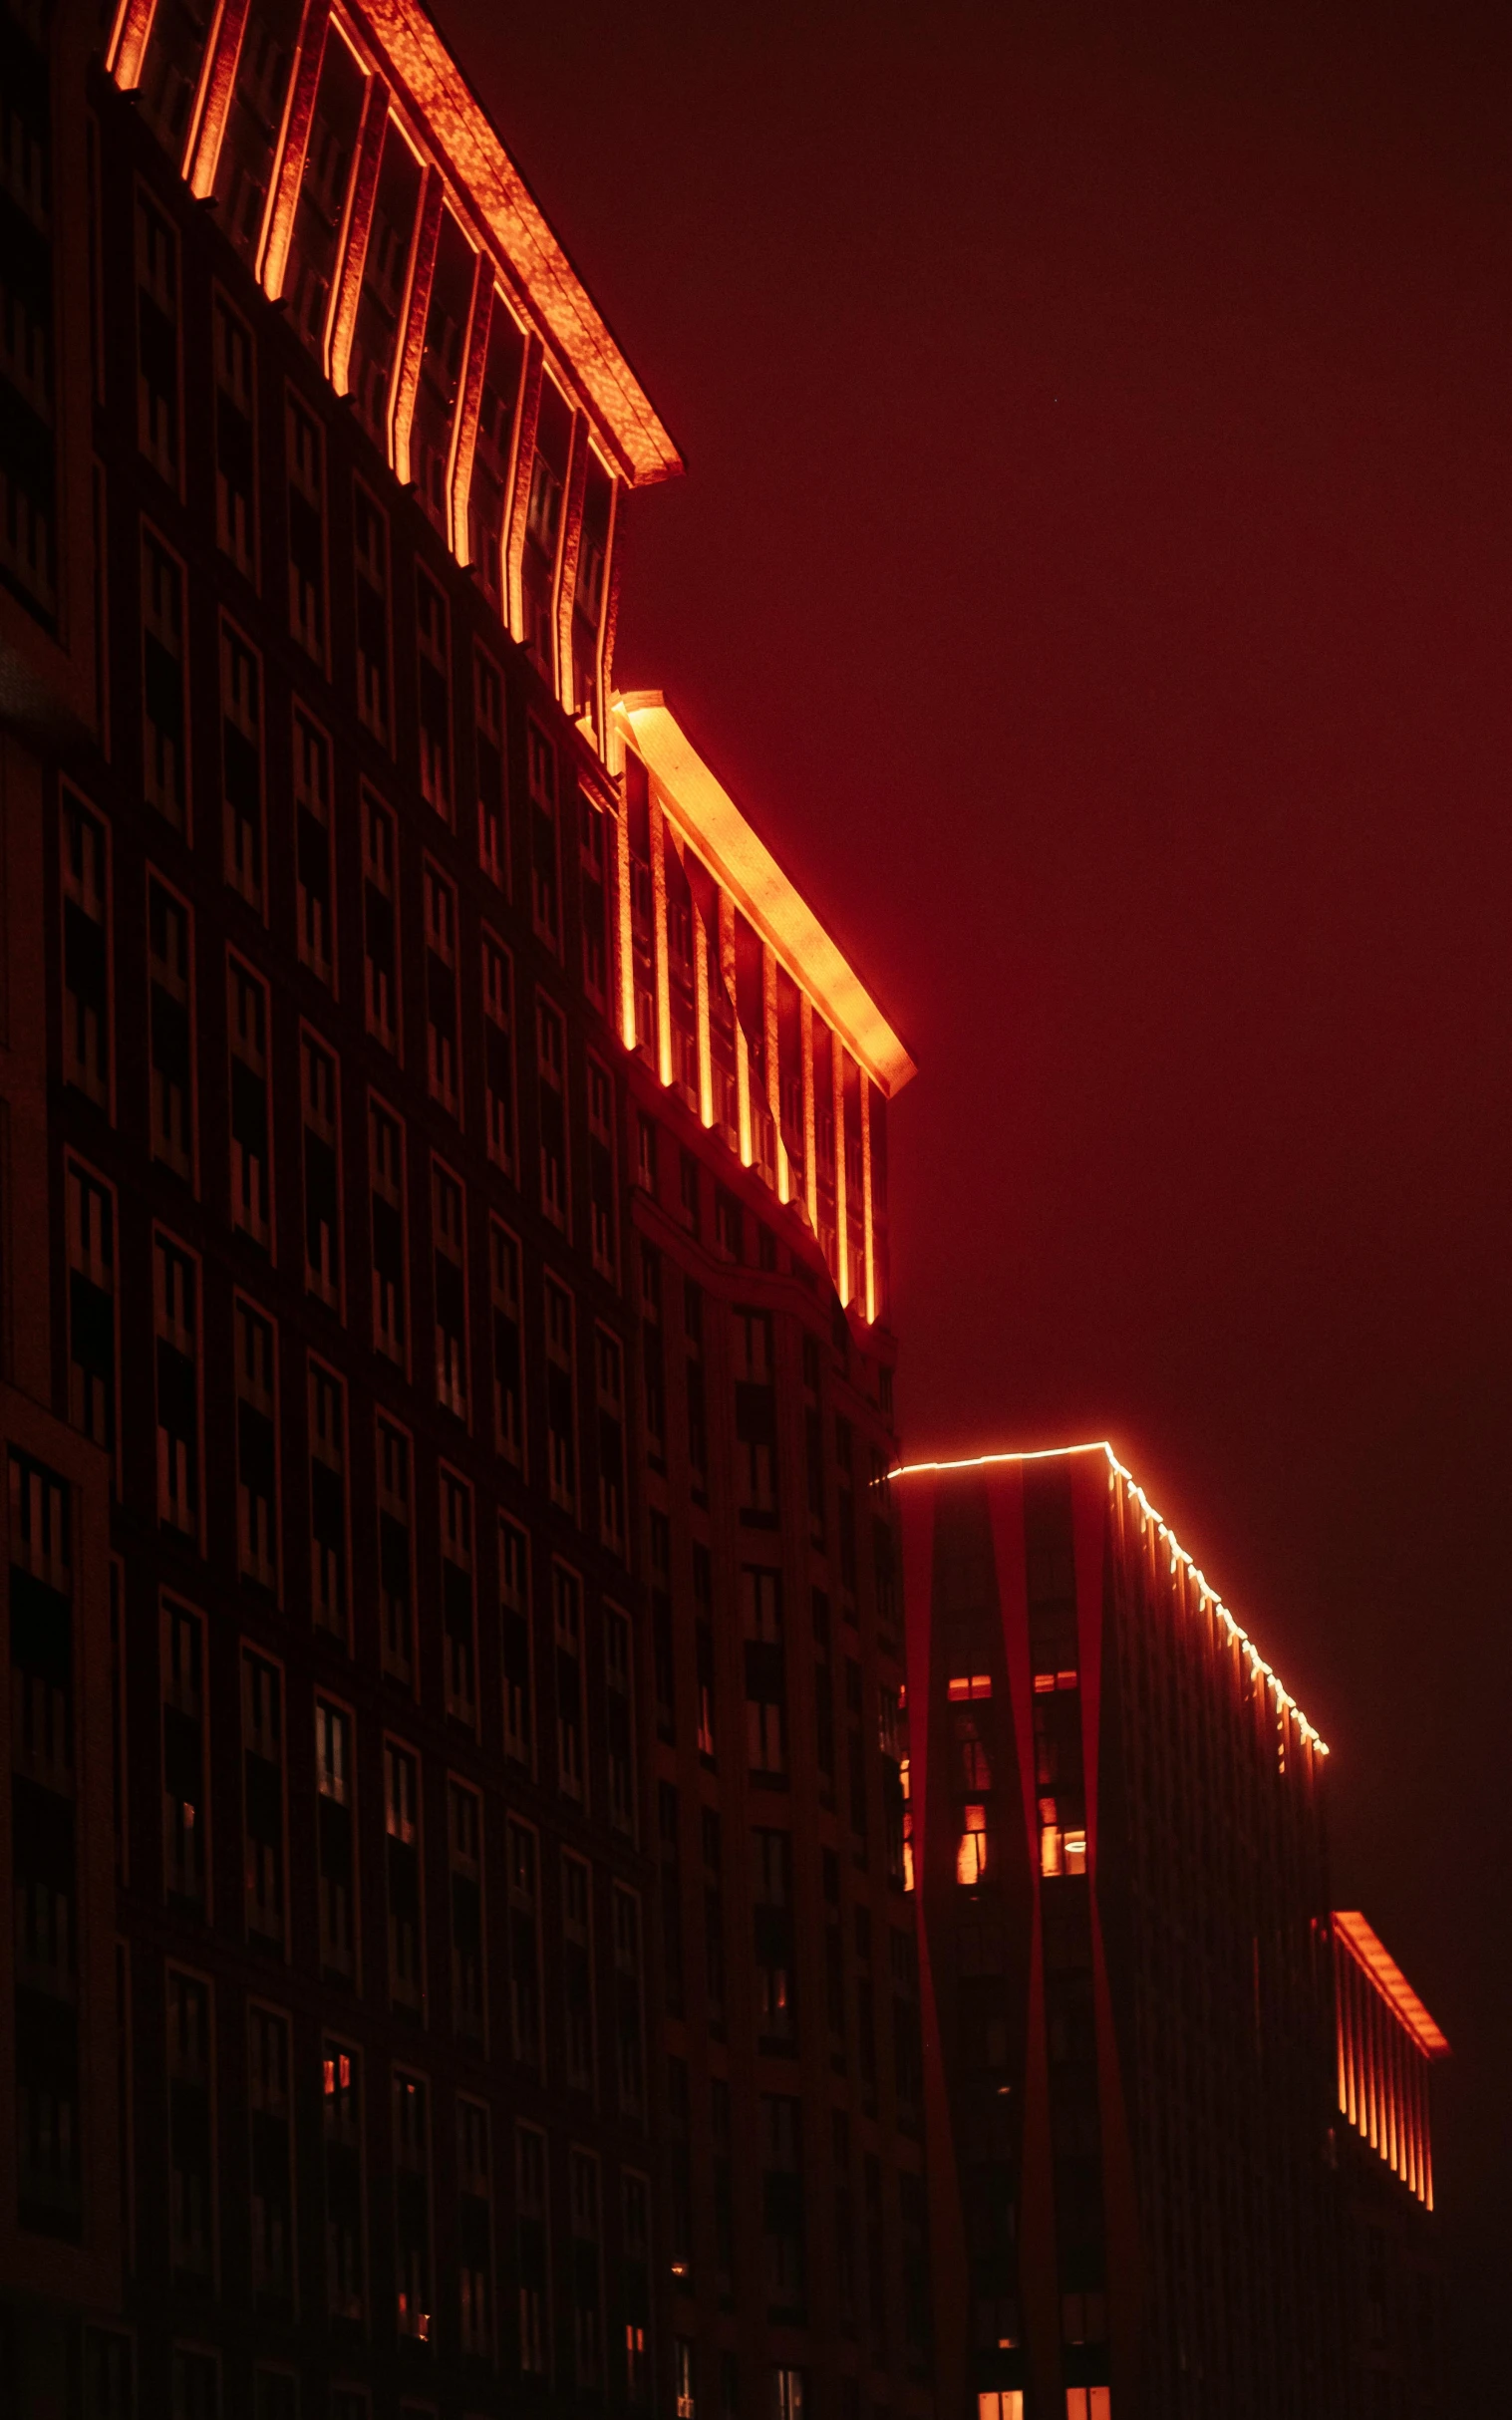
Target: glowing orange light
column 501, row 202
column 1390, row 1982
column 1120, row 1476
column 970, row 1684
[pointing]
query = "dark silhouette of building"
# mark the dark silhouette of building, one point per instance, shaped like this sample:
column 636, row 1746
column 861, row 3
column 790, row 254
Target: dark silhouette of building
column 452, row 1802
column 1129, row 1971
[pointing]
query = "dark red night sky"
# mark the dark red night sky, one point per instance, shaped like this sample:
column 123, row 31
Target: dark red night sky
column 1094, row 577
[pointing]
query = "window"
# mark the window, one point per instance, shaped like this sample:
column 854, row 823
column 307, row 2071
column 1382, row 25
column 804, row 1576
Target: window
column 525, row 1942
column 774, row 1961
column 412, row 2206
column 307, row 529
column 192, row 2131
column 619, row 1673
column 241, row 765
column 196, row 2384
column 164, row 684
column 969, row 1685
column 457, row 1602
column 346, row 2191
column 702, row 1599
column 596, row 861
column 185, row 1795
column 971, row 1856
column 687, row 2395
column 577, row 1971
column 601, row 1186
column 395, row 1552
column 635, row 2283
column 629, row 2038
column 783, row 2199
column 251, row 1155
column 1001, row 2404
column 587, row 2267
column 1088, row 2403
column 336, row 1840
column 514, row 1622
column 475, row 2170
column 271, row 2113
column 236, row 437
column 92, row 1300
column 170, row 1026
column 509, row 1357
column 489, row 739
column 175, row 1319
column 551, row 1069
column 561, row 1413
column 532, row 2255
column 386, row 1167
column 653, row 1356
column 610, row 1389
column 433, row 644
column 262, row 1797
column 370, row 530
column 545, row 883
column 380, row 921
column 320, row 1092
column 1062, row 1847
column 315, row 886
column 256, row 1368
column 87, row 969
column 447, row 1231
column 645, row 1152
column 401, row 1874
column 329, row 1534
column 465, row 1844
column 766, row 1682
column 567, row 1627
column 498, row 1051
column 156, row 340
column 788, row 2394
column 441, row 990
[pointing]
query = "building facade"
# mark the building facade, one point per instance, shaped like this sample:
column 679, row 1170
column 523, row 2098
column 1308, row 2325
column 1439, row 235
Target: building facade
column 444, row 1345
column 1392, row 2305
column 760, row 1074
column 1120, row 1840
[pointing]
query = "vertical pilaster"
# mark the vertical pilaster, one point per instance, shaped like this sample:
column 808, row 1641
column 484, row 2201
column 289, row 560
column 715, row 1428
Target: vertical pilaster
column 215, row 96
column 810, row 1155
column 866, row 1228
column 468, row 405
column 773, row 1067
column 128, row 40
column 353, row 248
column 284, row 185
column 526, row 420
column 568, row 559
column 842, row 1239
column 659, row 940
column 413, row 341
column 700, row 1007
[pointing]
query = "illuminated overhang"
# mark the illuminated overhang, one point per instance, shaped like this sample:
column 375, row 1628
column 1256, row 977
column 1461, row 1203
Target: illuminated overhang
column 1119, row 1476
column 548, row 287
column 1390, row 1980
column 708, row 820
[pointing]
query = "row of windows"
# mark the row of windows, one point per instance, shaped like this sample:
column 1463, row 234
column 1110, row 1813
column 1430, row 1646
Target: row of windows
column 382, row 2247
column 273, row 1907
column 174, row 1018
column 94, row 1282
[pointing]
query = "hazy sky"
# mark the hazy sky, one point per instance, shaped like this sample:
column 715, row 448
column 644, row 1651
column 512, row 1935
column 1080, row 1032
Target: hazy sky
column 1094, row 577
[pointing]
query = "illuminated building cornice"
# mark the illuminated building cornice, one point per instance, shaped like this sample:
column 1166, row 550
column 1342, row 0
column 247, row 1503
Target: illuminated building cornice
column 1390, row 1980
column 700, row 806
column 1134, row 1498
column 438, row 94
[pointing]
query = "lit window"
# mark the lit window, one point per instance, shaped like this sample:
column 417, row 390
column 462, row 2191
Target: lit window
column 970, row 1684
column 1088, row 2403
column 1075, row 1852
column 971, row 1857
column 1001, row 2404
